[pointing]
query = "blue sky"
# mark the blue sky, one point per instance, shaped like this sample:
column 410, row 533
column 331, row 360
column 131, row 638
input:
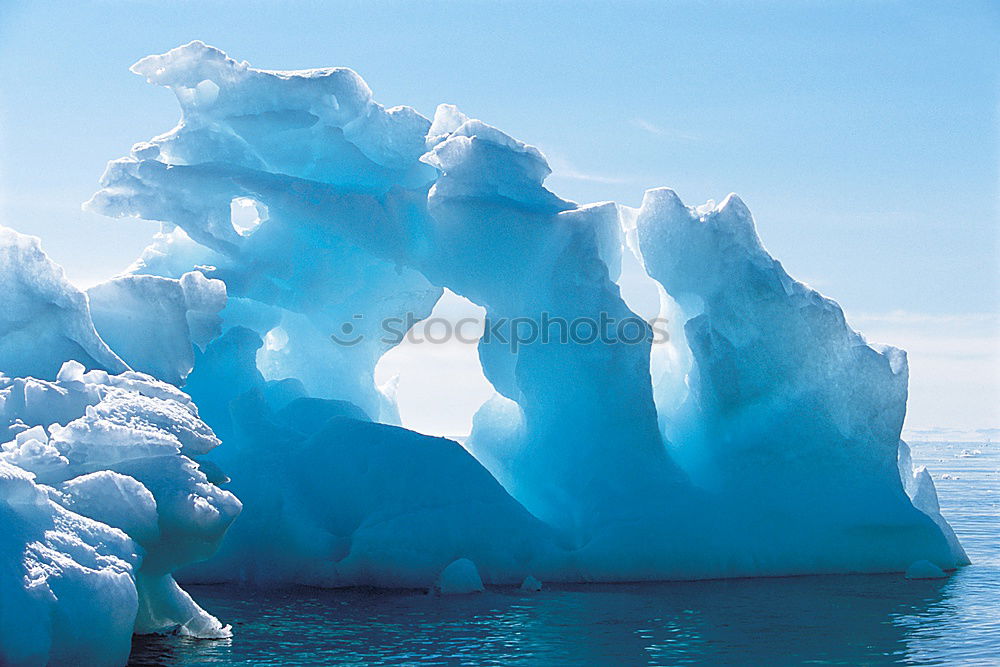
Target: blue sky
column 863, row 135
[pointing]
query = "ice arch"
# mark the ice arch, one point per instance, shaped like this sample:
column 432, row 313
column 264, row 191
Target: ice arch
column 372, row 212
column 435, row 373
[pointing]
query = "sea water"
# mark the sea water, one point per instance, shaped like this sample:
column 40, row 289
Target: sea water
column 827, row 620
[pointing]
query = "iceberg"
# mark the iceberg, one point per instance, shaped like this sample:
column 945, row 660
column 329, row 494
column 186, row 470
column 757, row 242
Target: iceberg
column 788, row 423
column 299, row 216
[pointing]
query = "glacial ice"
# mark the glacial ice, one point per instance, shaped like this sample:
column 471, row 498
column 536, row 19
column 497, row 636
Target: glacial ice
column 153, row 322
column 334, row 499
column 297, row 217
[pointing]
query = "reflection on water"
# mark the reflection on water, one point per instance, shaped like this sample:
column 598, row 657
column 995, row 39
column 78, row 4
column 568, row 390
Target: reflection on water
column 870, row 619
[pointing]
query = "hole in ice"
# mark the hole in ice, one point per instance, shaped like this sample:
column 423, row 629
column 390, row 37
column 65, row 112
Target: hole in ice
column 639, row 292
column 670, row 357
column 441, row 383
column 275, row 339
column 246, row 214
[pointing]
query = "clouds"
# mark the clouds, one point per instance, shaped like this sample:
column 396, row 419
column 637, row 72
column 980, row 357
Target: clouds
column 656, row 130
column 954, row 370
column 563, row 168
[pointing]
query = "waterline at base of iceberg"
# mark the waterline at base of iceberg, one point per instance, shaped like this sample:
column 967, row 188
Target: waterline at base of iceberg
column 837, row 619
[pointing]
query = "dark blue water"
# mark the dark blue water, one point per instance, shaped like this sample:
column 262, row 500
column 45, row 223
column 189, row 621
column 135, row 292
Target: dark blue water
column 830, row 620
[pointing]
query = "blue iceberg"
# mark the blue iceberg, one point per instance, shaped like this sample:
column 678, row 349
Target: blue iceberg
column 760, row 439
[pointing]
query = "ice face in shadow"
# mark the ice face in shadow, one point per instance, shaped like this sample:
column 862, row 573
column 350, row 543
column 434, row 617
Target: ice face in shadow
column 333, row 499
column 298, row 217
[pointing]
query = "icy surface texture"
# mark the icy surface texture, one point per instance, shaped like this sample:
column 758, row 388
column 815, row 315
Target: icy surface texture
column 101, row 502
column 761, row 439
column 788, row 406
column 503, row 241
